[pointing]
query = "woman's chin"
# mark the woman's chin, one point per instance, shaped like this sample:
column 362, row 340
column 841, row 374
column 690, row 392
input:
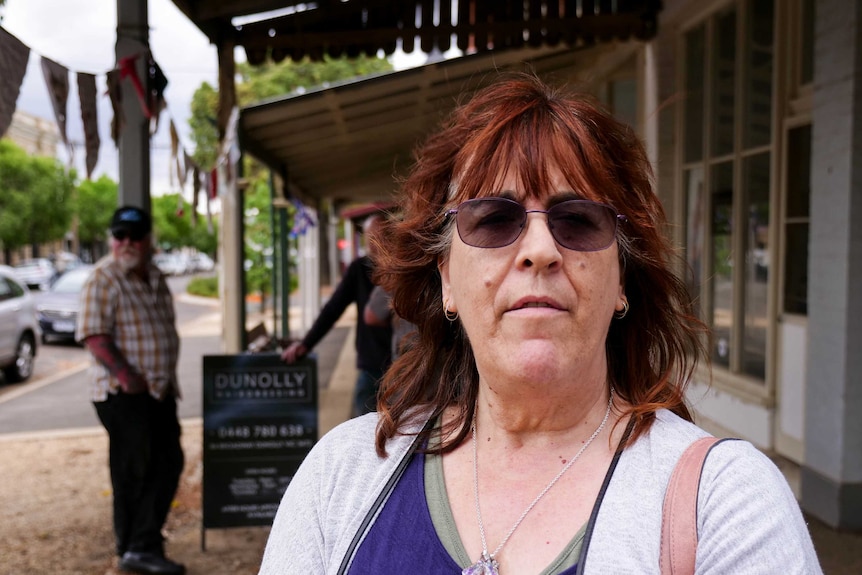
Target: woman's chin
column 535, row 360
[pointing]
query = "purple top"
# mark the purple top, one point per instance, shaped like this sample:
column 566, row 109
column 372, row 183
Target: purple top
column 403, row 538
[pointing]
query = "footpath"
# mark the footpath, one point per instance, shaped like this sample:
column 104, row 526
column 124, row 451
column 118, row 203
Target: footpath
column 55, row 496
column 55, row 493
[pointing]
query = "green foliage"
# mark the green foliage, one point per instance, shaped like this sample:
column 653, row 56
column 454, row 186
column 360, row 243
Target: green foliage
column 272, row 80
column 258, row 83
column 258, row 237
column 95, row 202
column 201, row 239
column 204, row 111
column 35, row 198
column 203, row 286
column 173, row 226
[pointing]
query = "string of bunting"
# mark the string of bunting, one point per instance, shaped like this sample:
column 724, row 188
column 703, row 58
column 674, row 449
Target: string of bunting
column 14, row 57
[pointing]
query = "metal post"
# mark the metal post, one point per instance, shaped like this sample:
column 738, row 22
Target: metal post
column 134, row 144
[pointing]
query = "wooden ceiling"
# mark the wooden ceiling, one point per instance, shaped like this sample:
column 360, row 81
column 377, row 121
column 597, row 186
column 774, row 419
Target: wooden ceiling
column 284, row 29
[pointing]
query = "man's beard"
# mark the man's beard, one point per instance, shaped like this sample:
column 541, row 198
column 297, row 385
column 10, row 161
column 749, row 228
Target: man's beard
column 129, row 260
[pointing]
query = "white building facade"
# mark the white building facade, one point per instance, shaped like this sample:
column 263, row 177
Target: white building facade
column 752, row 112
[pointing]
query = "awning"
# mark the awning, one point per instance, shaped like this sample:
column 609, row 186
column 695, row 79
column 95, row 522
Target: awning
column 282, row 29
column 351, row 142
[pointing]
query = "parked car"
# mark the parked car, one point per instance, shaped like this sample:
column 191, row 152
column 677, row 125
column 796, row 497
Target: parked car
column 36, row 273
column 202, row 263
column 173, row 264
column 65, row 261
column 19, row 330
column 57, row 308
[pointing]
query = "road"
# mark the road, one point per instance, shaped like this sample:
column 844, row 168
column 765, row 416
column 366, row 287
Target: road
column 57, row 395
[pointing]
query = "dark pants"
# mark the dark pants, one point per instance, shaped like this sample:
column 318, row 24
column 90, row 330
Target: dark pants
column 146, row 460
column 365, row 394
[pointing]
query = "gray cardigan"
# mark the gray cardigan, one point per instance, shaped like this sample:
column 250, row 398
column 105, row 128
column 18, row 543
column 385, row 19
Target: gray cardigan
column 748, row 519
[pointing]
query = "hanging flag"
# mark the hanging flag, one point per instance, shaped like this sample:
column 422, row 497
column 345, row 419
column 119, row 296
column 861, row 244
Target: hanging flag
column 156, row 84
column 129, row 70
column 230, row 153
column 57, row 80
column 209, row 209
column 89, row 117
column 188, row 162
column 175, row 148
column 13, row 64
column 212, row 185
column 115, row 93
column 196, row 190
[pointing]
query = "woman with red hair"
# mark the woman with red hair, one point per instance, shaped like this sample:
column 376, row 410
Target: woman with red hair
column 534, row 419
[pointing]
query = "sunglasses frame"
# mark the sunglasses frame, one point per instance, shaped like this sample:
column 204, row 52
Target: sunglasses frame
column 123, row 235
column 617, row 219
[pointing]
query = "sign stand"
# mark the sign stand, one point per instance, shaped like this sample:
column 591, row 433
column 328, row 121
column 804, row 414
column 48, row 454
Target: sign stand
column 260, row 421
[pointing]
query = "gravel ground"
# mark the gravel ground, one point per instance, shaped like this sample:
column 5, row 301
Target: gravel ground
column 55, row 497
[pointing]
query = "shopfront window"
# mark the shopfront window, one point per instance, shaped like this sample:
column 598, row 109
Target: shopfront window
column 729, row 61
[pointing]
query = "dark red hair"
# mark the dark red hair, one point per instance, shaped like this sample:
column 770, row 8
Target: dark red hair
column 520, row 124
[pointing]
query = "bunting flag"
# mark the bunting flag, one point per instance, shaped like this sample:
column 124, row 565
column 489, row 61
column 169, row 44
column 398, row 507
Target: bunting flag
column 188, row 162
column 230, row 153
column 196, row 190
column 212, row 184
column 13, row 64
column 175, row 147
column 156, row 84
column 57, row 80
column 115, row 93
column 209, row 209
column 128, row 70
column 149, row 86
column 303, row 219
column 89, row 117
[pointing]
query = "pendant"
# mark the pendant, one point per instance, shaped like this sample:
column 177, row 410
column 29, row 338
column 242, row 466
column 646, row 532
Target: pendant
column 484, row 566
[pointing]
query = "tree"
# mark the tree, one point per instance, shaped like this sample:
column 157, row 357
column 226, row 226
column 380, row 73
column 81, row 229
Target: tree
column 35, row 194
column 204, row 110
column 172, row 224
column 258, row 83
column 95, row 203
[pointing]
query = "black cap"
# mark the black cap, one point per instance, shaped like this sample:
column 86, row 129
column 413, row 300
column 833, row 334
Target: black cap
column 132, row 219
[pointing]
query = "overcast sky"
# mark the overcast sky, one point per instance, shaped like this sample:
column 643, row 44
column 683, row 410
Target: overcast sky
column 81, row 35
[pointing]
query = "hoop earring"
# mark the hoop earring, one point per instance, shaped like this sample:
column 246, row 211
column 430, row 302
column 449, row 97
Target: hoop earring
column 450, row 315
column 622, row 313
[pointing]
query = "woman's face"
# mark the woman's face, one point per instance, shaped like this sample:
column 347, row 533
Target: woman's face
column 533, row 309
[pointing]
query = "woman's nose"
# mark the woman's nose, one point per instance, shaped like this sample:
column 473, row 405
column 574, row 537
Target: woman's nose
column 537, row 245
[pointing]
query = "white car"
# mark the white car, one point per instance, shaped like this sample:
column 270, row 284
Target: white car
column 19, row 328
column 172, row 264
column 202, row 263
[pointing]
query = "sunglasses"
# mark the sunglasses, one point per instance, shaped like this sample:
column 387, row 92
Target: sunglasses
column 579, row 225
column 121, row 235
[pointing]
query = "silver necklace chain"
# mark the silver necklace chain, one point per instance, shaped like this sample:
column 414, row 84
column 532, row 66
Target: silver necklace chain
column 488, row 561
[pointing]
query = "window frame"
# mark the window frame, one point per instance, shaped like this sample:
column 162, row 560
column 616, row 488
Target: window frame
column 732, row 377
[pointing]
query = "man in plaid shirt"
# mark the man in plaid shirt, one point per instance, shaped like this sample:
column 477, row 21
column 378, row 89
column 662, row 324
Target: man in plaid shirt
column 127, row 323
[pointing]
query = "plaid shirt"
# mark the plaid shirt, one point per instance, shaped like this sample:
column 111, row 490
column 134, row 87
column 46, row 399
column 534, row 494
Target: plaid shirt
column 139, row 316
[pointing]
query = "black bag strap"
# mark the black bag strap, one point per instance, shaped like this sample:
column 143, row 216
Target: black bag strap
column 588, row 533
column 381, row 499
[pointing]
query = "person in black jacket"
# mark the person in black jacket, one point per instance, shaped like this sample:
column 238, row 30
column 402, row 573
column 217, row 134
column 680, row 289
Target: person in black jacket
column 372, row 343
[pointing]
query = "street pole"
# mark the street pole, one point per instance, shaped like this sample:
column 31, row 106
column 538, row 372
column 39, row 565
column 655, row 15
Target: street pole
column 134, row 135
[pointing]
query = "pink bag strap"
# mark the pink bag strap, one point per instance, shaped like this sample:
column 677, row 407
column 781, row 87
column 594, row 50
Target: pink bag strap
column 679, row 513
